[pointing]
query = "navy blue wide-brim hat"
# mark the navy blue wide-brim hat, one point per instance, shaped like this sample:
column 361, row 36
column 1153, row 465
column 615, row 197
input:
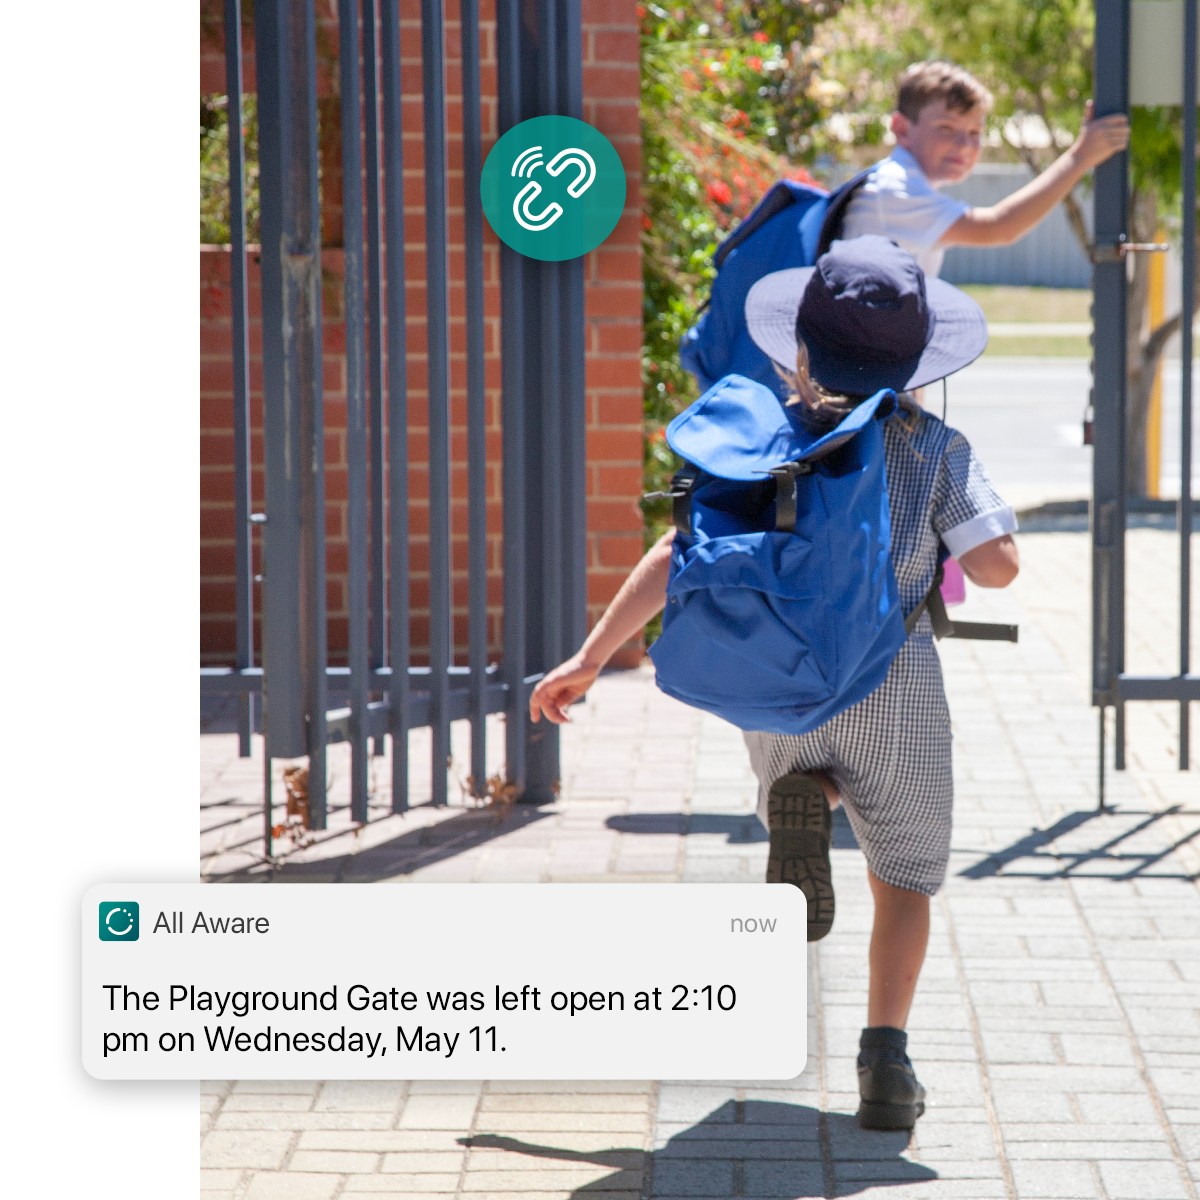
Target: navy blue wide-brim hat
column 869, row 317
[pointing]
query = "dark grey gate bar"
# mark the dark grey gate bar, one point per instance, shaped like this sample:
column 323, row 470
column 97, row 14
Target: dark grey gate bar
column 356, row 403
column 477, row 525
column 549, row 446
column 398, row 636
column 511, row 111
column 378, row 581
column 244, row 569
column 294, row 636
column 568, row 61
column 1111, row 685
column 1188, row 305
column 544, row 468
column 1111, row 86
column 542, row 349
column 437, row 318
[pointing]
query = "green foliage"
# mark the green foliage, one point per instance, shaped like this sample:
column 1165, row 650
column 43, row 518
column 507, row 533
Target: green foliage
column 1036, row 57
column 733, row 97
column 1156, row 161
column 214, row 169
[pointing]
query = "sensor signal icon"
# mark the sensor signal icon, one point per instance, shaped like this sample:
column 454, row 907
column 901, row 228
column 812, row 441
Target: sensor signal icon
column 529, row 161
column 547, row 203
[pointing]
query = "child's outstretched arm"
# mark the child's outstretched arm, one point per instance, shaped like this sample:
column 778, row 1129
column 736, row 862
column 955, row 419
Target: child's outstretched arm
column 641, row 596
column 1014, row 216
column 993, row 564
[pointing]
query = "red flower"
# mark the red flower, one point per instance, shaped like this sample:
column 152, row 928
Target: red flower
column 760, row 37
column 647, row 224
column 800, row 175
column 754, row 62
column 719, row 192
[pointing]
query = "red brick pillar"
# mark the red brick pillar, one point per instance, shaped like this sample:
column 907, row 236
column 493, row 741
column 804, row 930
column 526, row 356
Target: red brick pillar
column 613, row 303
column 613, row 306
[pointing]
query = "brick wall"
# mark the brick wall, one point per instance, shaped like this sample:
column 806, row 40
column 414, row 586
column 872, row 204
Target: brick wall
column 613, row 305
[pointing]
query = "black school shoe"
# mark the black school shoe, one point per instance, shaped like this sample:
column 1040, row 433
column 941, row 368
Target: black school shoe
column 891, row 1097
column 800, row 826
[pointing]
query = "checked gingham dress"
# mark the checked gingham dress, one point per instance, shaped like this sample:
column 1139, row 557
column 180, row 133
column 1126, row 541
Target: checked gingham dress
column 890, row 754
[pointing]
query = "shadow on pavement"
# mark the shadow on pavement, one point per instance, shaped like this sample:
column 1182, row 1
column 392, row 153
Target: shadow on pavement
column 219, row 714
column 1072, row 516
column 739, row 829
column 417, row 848
column 1102, row 856
column 759, row 1148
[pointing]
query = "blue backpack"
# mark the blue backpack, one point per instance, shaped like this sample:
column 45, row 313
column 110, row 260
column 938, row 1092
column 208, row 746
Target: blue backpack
column 791, row 226
column 782, row 606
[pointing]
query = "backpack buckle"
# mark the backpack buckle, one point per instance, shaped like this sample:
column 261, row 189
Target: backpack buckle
column 680, row 496
column 785, row 477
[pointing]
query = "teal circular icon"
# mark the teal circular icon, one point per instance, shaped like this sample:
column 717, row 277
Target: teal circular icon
column 553, row 188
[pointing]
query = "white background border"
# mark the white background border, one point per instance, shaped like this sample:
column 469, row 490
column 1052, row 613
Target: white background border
column 100, row 485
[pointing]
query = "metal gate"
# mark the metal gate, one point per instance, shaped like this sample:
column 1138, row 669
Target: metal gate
column 380, row 695
column 1120, row 25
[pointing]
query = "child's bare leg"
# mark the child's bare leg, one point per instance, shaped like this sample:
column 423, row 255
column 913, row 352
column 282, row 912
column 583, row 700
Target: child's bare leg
column 891, row 1096
column 899, row 936
column 832, row 796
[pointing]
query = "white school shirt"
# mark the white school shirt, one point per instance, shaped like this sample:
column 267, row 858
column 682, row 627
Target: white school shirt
column 897, row 201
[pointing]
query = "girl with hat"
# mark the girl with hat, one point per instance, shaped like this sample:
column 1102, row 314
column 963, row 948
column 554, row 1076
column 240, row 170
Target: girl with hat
column 863, row 319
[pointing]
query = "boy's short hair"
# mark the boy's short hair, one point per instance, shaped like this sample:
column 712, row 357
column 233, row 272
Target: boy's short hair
column 925, row 82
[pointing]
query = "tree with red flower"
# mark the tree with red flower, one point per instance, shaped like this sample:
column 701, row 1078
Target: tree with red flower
column 729, row 105
column 719, row 192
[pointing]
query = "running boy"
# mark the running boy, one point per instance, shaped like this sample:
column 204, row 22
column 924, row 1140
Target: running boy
column 863, row 319
column 938, row 126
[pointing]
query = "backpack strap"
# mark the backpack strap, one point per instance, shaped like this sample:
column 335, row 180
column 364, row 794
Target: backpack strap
column 680, row 496
column 943, row 627
column 839, row 201
column 780, row 195
column 785, row 193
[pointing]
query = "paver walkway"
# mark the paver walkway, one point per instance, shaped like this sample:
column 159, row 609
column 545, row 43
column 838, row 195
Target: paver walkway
column 1057, row 1024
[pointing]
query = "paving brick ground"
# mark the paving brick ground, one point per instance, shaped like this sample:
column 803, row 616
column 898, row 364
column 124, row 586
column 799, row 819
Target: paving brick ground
column 1057, row 1025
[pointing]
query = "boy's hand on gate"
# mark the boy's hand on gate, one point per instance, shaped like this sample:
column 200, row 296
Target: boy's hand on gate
column 560, row 688
column 1100, row 138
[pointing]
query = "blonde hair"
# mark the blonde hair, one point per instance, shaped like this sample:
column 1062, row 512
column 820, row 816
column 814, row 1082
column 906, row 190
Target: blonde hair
column 821, row 409
column 925, row 82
